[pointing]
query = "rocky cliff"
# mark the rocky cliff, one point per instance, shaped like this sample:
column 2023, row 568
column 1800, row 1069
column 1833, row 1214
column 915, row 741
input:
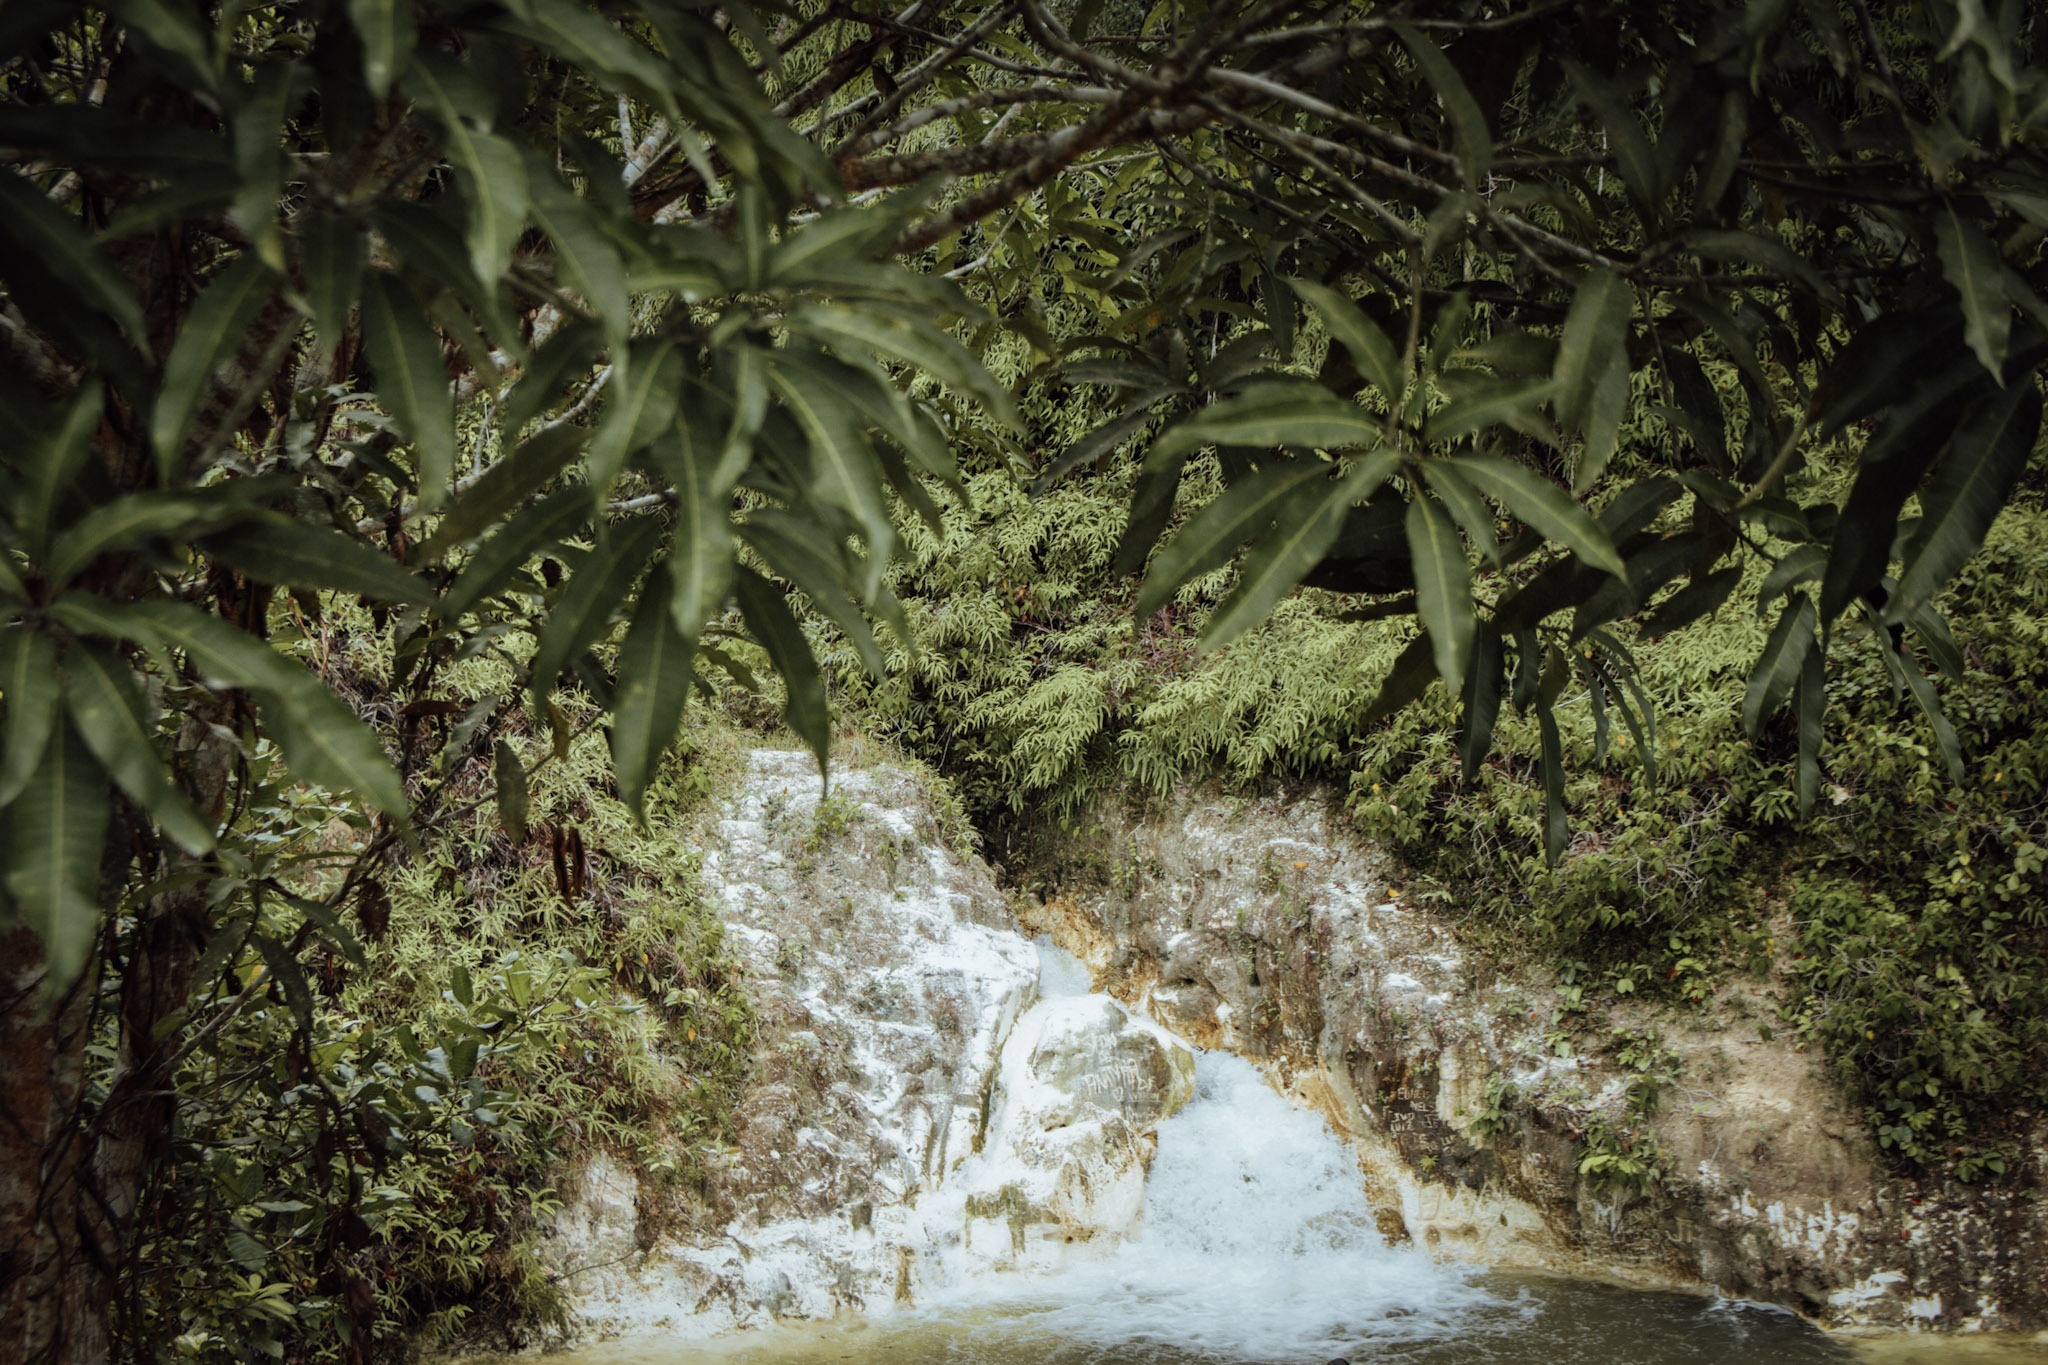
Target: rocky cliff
column 933, row 1106
column 1684, row 1146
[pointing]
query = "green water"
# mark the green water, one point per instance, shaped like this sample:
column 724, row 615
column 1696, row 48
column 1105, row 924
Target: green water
column 1525, row 1320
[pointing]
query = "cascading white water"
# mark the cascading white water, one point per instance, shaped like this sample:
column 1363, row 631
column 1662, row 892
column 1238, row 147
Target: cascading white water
column 1256, row 1241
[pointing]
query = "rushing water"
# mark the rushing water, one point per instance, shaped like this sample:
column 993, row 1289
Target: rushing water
column 1257, row 1245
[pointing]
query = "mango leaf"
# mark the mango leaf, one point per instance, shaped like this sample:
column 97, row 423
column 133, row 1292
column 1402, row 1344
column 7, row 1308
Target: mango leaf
column 844, row 468
column 791, row 550
column 554, row 366
column 591, row 260
column 32, row 689
column 491, row 172
column 1898, row 453
column 276, row 549
column 50, row 854
column 654, row 684
column 581, row 615
column 1303, row 533
column 135, row 519
column 1556, row 825
column 332, row 253
column 1213, row 534
column 1970, row 264
column 53, row 270
column 108, row 709
column 1591, row 350
column 492, row 564
column 1534, row 500
column 1414, row 669
column 588, row 42
column 509, row 779
column 214, row 333
column 1468, row 123
column 385, row 29
column 1370, row 349
column 412, row 381
column 1906, row 669
column 53, row 463
column 1811, row 706
column 1443, row 589
column 1985, row 459
column 916, row 342
column 1515, row 403
column 504, row 486
column 1481, row 702
column 700, row 555
column 1800, row 565
column 1269, row 415
column 323, row 741
column 1466, row 507
column 640, row 405
column 770, row 623
column 1777, row 668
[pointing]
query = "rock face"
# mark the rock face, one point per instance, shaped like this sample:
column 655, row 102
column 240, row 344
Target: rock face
column 893, row 1143
column 1268, row 928
column 935, row 1102
column 1083, row 1085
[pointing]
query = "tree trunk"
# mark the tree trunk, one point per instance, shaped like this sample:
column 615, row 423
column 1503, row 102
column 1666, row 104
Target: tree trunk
column 51, row 1295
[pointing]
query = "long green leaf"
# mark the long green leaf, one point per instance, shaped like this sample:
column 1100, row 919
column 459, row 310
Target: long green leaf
column 592, row 261
column 1907, row 669
column 582, row 614
column 1414, row 669
column 1466, row 507
column 214, row 333
column 1468, row 121
column 32, row 690
column 37, row 236
column 504, row 486
column 1777, row 668
column 1556, row 824
column 108, row 709
column 793, row 552
column 1534, row 500
column 913, row 340
column 846, row 472
column 412, row 381
column 54, row 464
column 1985, row 459
column 1304, row 533
column 654, row 684
column 300, row 554
column 492, row 174
column 1515, row 403
column 385, row 29
column 1812, row 704
column 769, row 621
column 1971, row 265
column 492, row 564
column 1593, row 343
column 323, row 741
column 332, row 253
column 1213, row 534
column 1270, row 415
column 1481, row 701
column 135, row 519
column 50, row 851
column 1443, row 589
column 640, row 405
column 700, row 555
column 1370, row 349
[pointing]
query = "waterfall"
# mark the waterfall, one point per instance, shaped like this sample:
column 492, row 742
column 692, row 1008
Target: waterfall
column 1255, row 1240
